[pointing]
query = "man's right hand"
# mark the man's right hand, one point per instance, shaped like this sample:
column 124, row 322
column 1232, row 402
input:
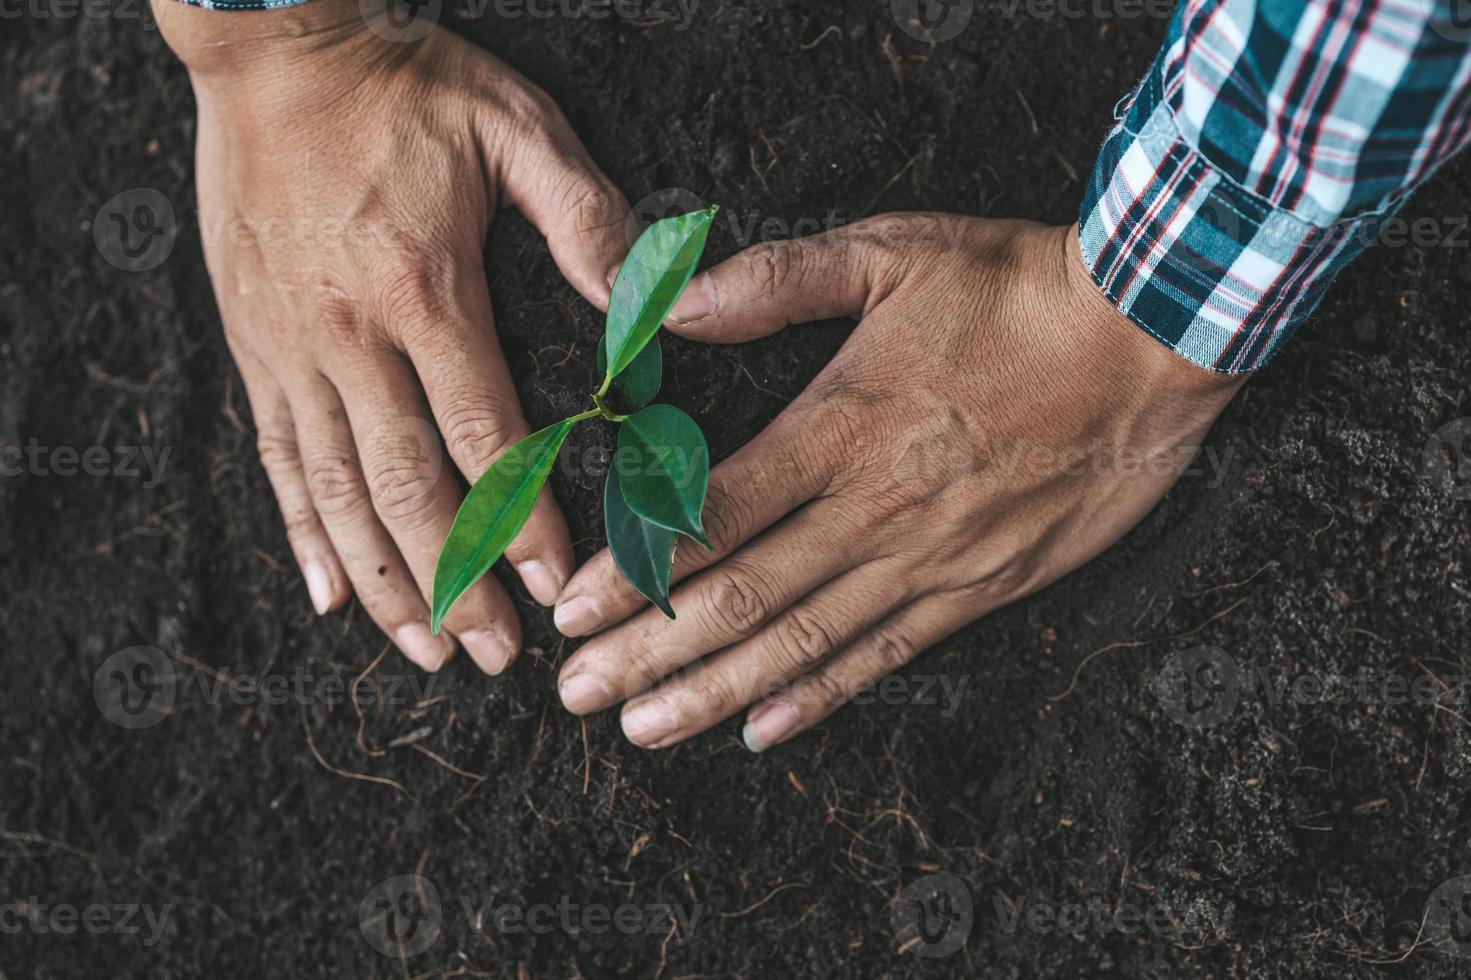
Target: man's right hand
column 346, row 184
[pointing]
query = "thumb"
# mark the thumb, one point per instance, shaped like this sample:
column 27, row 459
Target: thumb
column 845, row 272
column 584, row 217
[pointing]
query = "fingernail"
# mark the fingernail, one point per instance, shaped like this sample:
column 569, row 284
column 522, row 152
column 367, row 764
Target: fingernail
column 769, row 724
column 698, row 300
column 578, row 616
column 649, row 722
column 491, row 652
column 541, row 580
column 582, row 693
column 319, row 586
column 423, row 647
column 613, row 274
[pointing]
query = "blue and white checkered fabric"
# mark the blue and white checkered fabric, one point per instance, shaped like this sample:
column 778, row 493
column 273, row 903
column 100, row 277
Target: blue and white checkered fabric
column 1261, row 154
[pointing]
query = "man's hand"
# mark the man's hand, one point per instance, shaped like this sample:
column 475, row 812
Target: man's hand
column 991, row 424
column 346, row 184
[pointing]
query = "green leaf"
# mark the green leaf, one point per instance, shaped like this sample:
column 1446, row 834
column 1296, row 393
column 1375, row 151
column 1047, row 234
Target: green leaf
column 663, row 466
column 643, row 551
column 656, row 271
column 640, row 381
column 493, row 512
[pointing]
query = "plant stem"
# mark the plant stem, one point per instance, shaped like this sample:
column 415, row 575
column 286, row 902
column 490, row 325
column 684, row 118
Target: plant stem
column 599, row 410
column 607, row 413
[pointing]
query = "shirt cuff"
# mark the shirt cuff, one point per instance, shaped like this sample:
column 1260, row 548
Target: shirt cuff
column 1205, row 266
column 242, row 4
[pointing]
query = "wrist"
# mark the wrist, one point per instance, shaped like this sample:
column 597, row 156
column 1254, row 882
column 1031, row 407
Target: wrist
column 1146, row 366
column 247, row 51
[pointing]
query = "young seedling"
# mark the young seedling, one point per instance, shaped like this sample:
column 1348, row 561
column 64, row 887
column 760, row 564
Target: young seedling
column 657, row 478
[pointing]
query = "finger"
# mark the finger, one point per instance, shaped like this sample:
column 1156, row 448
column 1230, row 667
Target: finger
column 768, row 478
column 335, row 478
column 326, row 581
column 717, row 608
column 880, row 652
column 416, row 498
column 584, row 217
column 844, row 272
column 791, row 645
column 474, row 402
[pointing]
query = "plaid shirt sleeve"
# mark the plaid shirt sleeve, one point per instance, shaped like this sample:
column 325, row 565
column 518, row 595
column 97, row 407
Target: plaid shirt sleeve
column 1262, row 153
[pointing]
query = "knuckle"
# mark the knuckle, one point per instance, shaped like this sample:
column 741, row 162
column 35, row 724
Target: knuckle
column 727, row 514
column 891, row 649
column 804, row 640
column 335, row 485
column 277, row 450
column 734, row 603
column 774, row 264
column 413, row 287
column 336, row 312
column 477, row 430
column 402, row 490
column 585, row 201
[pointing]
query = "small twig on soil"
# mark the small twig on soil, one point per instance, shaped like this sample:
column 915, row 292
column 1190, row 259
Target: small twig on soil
column 586, row 758
column 360, row 776
column 893, row 58
column 1133, row 644
column 1358, row 954
column 774, row 892
column 664, row 949
column 885, row 189
column 751, row 152
column 1228, row 585
column 822, row 37
column 1023, row 100
column 1072, row 171
column 357, row 705
column 447, row 764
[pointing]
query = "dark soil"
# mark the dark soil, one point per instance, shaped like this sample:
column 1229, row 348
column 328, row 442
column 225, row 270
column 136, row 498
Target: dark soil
column 1294, row 839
